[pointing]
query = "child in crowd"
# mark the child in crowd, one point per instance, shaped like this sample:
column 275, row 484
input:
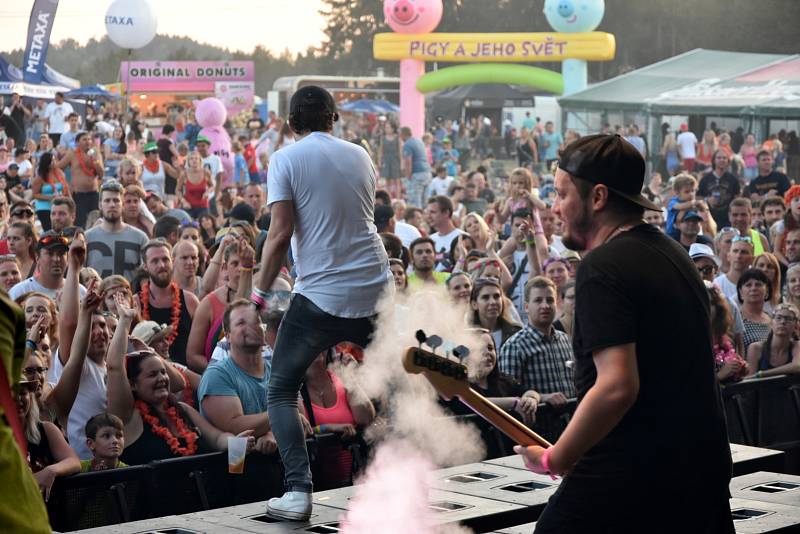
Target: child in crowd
column 791, row 221
column 106, row 441
column 241, row 174
column 685, row 188
column 520, row 195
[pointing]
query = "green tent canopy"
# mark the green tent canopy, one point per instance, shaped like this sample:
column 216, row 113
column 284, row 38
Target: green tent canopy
column 701, row 82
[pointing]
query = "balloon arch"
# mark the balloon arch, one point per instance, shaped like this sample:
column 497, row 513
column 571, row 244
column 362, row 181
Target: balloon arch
column 490, row 56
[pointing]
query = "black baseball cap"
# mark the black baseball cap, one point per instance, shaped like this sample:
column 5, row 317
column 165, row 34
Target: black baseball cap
column 242, row 212
column 312, row 99
column 609, row 160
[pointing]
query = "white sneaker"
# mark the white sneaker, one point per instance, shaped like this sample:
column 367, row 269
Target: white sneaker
column 293, row 506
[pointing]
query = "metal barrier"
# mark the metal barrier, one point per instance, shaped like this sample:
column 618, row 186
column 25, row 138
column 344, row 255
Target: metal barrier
column 764, row 412
column 169, row 487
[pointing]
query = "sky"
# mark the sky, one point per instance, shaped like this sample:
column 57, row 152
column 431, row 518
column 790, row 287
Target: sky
column 233, row 24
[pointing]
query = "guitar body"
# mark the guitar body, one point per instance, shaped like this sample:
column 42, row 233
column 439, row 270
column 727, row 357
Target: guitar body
column 450, row 380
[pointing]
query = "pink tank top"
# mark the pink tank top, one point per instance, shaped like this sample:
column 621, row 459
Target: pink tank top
column 336, row 464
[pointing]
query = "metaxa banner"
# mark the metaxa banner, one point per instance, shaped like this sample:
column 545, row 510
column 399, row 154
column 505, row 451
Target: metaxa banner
column 38, row 39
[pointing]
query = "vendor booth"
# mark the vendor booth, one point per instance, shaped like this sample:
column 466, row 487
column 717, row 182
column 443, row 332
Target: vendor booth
column 157, row 87
column 758, row 92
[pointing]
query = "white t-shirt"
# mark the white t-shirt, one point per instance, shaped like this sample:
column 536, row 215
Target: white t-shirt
column 727, row 287
column 687, row 143
column 341, row 264
column 214, row 165
column 439, row 186
column 406, row 232
column 443, row 243
column 31, row 284
column 57, row 115
column 90, row 401
column 24, row 167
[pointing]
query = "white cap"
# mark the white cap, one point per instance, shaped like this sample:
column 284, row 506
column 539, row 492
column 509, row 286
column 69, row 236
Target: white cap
column 699, row 250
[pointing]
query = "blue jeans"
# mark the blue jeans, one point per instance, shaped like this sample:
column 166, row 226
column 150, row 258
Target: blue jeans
column 305, row 331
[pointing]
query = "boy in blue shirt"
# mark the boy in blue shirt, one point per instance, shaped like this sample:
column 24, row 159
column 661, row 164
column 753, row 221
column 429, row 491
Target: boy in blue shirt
column 685, row 188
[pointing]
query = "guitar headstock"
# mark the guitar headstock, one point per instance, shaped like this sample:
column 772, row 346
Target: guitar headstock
column 447, row 376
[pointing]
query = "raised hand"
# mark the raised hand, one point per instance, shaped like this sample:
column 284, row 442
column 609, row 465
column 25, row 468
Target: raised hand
column 247, row 255
column 93, row 298
column 124, row 309
column 77, row 252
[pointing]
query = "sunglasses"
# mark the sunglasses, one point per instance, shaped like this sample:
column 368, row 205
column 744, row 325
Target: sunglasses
column 112, row 186
column 190, row 224
column 22, row 213
column 729, row 230
column 707, row 270
column 745, row 238
column 29, row 371
column 8, row 257
column 53, row 239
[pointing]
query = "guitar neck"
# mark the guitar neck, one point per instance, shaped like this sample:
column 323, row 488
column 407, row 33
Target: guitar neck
column 501, row 420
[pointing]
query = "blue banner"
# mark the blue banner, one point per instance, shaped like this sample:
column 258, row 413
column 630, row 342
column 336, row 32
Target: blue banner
column 41, row 23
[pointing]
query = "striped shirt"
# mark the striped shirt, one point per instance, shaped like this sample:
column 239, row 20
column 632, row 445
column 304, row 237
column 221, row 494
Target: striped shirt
column 538, row 361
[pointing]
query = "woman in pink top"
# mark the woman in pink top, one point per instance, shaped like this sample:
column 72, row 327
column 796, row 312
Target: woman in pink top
column 332, row 406
column 748, row 153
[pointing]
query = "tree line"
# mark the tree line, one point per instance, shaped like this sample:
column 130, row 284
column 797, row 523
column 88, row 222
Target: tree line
column 646, row 32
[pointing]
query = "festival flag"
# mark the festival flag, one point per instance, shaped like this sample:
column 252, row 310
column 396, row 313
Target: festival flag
column 40, row 24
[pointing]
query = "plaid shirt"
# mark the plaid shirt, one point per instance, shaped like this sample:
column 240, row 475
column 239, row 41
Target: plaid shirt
column 538, row 361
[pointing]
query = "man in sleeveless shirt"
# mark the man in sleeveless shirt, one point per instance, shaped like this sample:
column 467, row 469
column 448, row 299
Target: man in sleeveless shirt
column 163, row 301
column 326, row 187
column 86, row 167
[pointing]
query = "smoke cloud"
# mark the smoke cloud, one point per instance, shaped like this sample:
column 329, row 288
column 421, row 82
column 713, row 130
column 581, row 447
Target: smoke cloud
column 418, row 435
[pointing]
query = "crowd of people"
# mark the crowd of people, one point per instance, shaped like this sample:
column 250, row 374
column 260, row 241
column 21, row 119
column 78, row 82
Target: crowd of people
column 134, row 261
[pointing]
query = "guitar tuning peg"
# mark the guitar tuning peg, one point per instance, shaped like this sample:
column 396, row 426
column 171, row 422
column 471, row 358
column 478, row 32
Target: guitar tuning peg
column 421, row 337
column 461, row 352
column 433, row 342
column 448, row 348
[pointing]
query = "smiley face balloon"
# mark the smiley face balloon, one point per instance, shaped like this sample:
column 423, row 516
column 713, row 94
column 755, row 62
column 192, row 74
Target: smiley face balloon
column 413, row 16
column 571, row 16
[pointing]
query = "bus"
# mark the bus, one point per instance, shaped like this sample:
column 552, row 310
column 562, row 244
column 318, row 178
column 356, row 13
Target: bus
column 343, row 88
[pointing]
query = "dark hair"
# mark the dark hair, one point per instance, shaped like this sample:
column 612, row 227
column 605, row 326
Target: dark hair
column 392, row 244
column 445, row 204
column 453, row 275
column 409, row 213
column 419, row 241
column 523, row 213
column 763, row 153
column 73, row 114
column 165, row 226
column 312, row 121
column 101, row 420
column 43, row 169
column 64, row 201
column 384, row 196
column 80, row 136
column 167, row 129
column 753, row 274
column 27, row 229
column 772, row 200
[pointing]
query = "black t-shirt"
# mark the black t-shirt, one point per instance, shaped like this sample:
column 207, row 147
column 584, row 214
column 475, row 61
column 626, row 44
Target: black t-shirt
column 723, row 190
column 702, row 239
column 641, row 287
column 763, row 184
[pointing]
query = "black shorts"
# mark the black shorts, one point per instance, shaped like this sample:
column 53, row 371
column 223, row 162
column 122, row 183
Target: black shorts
column 170, row 184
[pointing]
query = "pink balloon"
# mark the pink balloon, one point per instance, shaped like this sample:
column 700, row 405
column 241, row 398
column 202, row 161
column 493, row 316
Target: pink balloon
column 413, row 16
column 211, row 115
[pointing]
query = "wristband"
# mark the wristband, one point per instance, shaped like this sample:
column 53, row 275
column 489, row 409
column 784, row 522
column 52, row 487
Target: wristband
column 31, row 344
column 318, row 429
column 530, row 241
column 245, row 269
column 516, row 403
column 259, row 301
column 546, row 463
column 248, row 267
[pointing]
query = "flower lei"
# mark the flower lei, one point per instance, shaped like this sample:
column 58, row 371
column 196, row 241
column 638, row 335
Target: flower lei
column 724, row 352
column 88, row 171
column 188, row 437
column 175, row 317
column 152, row 167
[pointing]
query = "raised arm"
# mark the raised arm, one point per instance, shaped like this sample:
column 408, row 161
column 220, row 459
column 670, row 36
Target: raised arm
column 63, row 395
column 247, row 258
column 195, row 346
column 211, row 275
column 70, row 296
column 120, row 397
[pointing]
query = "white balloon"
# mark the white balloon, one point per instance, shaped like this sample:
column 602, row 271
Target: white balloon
column 131, row 23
